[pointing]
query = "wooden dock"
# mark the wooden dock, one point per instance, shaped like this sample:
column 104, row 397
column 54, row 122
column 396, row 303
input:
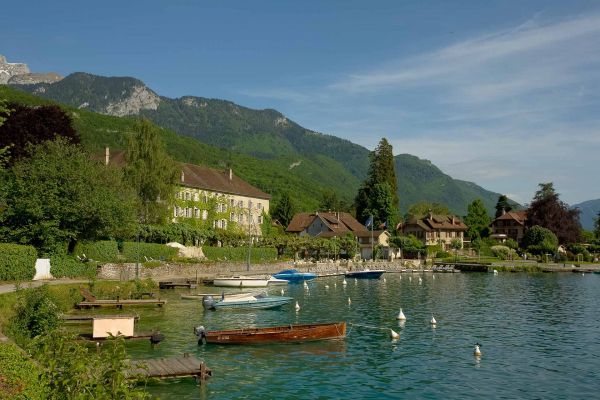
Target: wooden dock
column 172, row 367
column 120, row 303
column 173, row 285
column 76, row 318
column 153, row 337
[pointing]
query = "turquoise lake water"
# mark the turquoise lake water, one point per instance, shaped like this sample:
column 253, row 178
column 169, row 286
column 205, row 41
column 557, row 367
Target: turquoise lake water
column 540, row 335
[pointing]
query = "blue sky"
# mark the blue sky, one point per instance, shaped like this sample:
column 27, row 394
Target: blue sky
column 501, row 93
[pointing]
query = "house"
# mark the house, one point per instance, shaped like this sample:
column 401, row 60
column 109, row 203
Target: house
column 435, row 229
column 510, row 225
column 338, row 224
column 207, row 197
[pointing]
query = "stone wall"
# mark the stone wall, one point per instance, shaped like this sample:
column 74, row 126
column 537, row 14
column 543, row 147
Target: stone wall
column 207, row 271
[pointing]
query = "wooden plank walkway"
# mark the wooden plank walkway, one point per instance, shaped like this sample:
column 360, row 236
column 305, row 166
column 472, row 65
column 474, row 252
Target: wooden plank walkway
column 171, row 367
column 154, row 337
column 173, row 285
column 74, row 317
column 121, row 303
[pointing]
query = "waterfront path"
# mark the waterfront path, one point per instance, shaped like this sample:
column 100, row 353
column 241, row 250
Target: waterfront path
column 11, row 287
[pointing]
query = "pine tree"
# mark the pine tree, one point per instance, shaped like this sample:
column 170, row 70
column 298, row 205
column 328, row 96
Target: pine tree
column 502, row 205
column 284, row 210
column 477, row 220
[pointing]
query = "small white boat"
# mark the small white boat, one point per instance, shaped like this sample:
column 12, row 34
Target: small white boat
column 241, row 281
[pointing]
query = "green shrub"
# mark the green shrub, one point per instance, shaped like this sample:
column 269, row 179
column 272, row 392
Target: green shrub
column 258, row 254
column 20, row 378
column 64, row 266
column 502, row 252
column 103, row 251
column 17, row 262
column 35, row 313
column 442, row 254
column 148, row 250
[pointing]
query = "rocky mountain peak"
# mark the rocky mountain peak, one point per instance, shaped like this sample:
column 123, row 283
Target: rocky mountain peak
column 19, row 74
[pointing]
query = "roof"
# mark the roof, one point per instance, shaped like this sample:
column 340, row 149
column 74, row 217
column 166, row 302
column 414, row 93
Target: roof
column 339, row 223
column 433, row 222
column 519, row 216
column 197, row 176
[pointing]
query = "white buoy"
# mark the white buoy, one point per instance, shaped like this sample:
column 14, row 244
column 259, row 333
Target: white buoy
column 401, row 316
column 326, row 287
column 394, row 335
column 349, row 301
column 305, row 284
column 477, row 352
column 297, row 306
column 400, row 276
column 433, row 277
column 410, row 278
column 344, row 282
column 582, row 274
column 420, row 281
column 384, row 280
column 495, row 272
column 282, row 292
column 334, row 285
column 433, row 321
column 355, row 281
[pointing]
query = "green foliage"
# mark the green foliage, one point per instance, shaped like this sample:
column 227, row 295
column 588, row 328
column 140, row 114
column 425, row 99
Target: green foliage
column 35, row 314
column 284, row 209
column 103, row 250
column 477, row 220
column 58, row 196
column 76, row 371
column 17, row 262
column 408, row 243
column 123, row 290
column 330, row 201
column 422, row 208
column 258, row 254
column 20, row 377
column 150, row 171
column 539, row 240
column 512, row 244
column 503, row 252
column 131, row 251
column 66, row 266
column 502, row 205
column 180, row 233
column 597, row 226
column 456, row 244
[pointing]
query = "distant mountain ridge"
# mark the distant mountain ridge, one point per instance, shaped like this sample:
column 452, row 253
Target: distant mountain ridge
column 336, row 163
column 589, row 212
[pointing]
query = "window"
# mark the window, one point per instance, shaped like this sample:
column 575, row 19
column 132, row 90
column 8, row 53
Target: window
column 196, row 196
column 204, row 214
column 250, row 204
column 232, row 217
column 241, row 203
column 204, row 198
column 260, row 219
column 224, row 224
column 259, row 206
column 196, row 212
column 241, row 218
column 175, row 211
column 231, row 203
column 187, row 196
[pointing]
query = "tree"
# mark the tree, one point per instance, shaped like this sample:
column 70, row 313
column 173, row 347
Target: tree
column 503, row 205
column 477, row 220
column 284, row 210
column 539, row 240
column 58, row 196
column 381, row 181
column 597, row 226
column 32, row 125
column 546, row 210
column 422, row 208
column 151, row 172
column 331, row 202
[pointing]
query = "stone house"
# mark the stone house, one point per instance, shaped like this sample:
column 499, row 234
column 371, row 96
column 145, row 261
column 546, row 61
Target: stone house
column 207, row 197
column 435, row 229
column 510, row 225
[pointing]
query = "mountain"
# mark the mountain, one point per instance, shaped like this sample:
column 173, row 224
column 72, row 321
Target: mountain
column 18, row 73
column 267, row 135
column 589, row 212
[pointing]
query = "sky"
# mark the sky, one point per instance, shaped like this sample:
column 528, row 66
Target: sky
column 501, row 93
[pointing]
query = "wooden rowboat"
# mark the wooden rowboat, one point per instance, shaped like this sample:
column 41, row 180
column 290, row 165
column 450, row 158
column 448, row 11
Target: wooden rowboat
column 274, row 334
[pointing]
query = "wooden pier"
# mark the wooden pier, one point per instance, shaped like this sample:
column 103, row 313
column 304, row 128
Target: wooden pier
column 153, row 337
column 77, row 318
column 173, row 285
column 120, row 303
column 172, row 367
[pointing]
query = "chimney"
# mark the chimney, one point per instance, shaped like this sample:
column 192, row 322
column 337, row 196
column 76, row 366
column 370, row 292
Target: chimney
column 182, row 176
column 453, row 220
column 430, row 215
column 230, row 174
column 106, row 155
column 337, row 215
column 503, row 211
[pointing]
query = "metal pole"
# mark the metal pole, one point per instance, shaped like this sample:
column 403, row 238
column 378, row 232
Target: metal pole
column 372, row 253
column 249, row 238
column 137, row 264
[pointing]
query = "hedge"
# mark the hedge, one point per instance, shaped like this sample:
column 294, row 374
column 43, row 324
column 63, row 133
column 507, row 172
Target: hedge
column 19, row 376
column 17, row 262
column 258, row 254
column 103, row 251
column 149, row 250
column 64, row 266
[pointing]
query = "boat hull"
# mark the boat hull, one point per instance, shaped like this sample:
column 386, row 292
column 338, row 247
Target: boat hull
column 278, row 334
column 372, row 274
column 295, row 276
column 240, row 282
column 260, row 303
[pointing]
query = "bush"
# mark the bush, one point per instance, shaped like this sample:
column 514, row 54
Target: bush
column 20, row 378
column 503, row 252
column 104, row 250
column 258, row 254
column 17, row 262
column 442, row 254
column 64, row 266
column 34, row 314
column 149, row 250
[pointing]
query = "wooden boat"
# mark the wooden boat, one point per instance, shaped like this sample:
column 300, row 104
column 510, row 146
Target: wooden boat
column 366, row 274
column 254, row 301
column 274, row 334
column 293, row 275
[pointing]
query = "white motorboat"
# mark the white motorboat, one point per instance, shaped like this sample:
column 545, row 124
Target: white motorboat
column 241, row 281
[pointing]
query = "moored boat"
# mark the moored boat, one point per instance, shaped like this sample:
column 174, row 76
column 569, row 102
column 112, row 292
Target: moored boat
column 253, row 301
column 274, row 334
column 366, row 274
column 293, row 275
column 241, row 281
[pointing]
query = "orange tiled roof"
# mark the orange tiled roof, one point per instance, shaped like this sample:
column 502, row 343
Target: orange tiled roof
column 519, row 216
column 339, row 223
column 438, row 222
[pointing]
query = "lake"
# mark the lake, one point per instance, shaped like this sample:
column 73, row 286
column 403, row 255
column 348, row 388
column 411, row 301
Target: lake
column 540, row 336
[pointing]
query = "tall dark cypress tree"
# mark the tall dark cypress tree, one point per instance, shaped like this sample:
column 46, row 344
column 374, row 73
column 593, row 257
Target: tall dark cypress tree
column 368, row 201
column 502, row 205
